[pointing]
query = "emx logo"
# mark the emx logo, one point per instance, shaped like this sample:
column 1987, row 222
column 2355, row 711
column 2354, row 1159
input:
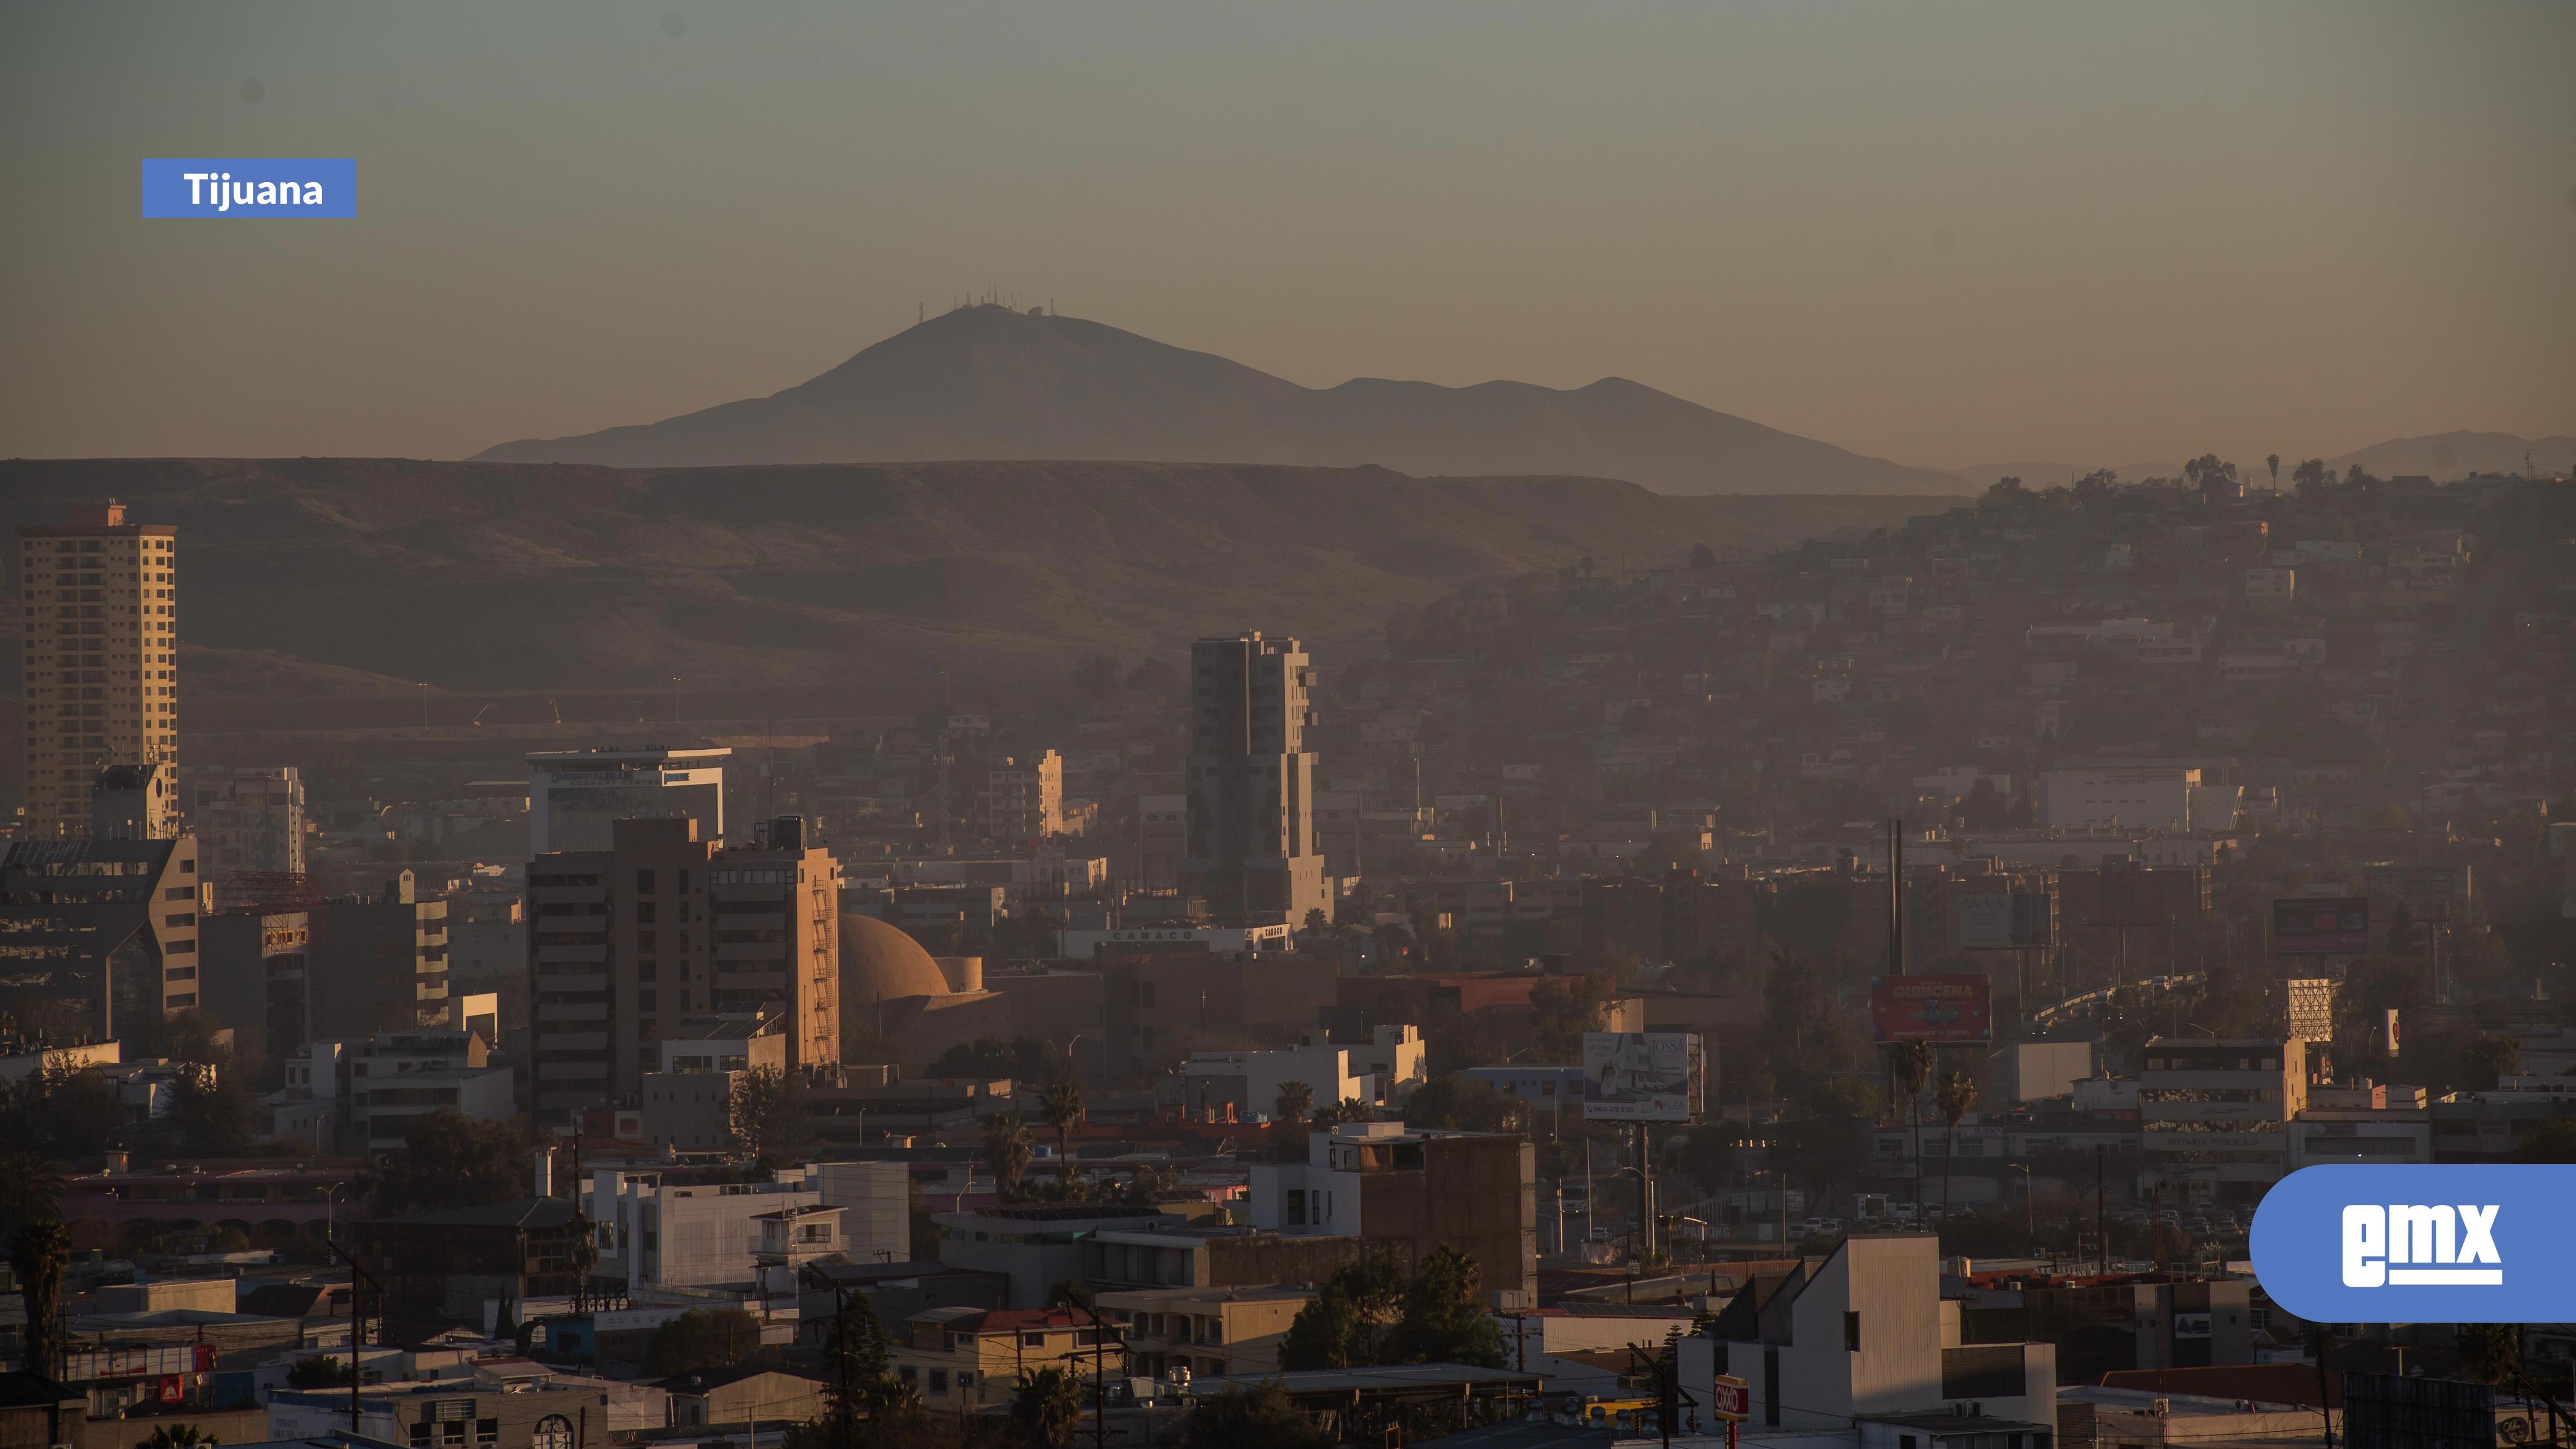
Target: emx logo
column 2437, row 1244
column 2419, row 1244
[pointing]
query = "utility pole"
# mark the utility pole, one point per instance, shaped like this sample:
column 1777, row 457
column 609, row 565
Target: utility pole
column 2101, row 1218
column 1896, row 897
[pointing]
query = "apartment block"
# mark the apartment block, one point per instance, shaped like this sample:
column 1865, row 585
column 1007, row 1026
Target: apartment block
column 1385, row 1183
column 98, row 658
column 380, row 964
column 1250, row 781
column 2214, row 1114
column 101, row 932
column 247, row 819
column 666, row 925
column 1022, row 799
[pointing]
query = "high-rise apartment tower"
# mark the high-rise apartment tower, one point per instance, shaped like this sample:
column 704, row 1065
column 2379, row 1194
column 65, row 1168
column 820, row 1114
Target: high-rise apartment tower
column 100, row 658
column 1250, row 826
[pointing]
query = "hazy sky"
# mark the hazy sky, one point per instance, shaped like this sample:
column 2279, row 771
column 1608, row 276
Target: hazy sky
column 1941, row 233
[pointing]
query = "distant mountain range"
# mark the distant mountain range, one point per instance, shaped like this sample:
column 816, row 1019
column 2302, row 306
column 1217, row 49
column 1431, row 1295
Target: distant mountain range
column 993, row 383
column 2441, row 456
column 313, row 582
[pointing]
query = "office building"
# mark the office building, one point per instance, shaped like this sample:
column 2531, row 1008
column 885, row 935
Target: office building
column 2214, row 1115
column 97, row 658
column 1212, row 1331
column 256, row 978
column 1385, row 1182
column 688, row 1097
column 665, row 925
column 363, row 1096
column 100, row 932
column 576, row 797
column 135, row 802
column 379, row 963
column 1022, row 799
column 247, row 819
column 1250, row 826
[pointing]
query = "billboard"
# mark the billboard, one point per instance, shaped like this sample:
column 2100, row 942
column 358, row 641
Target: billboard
column 2034, row 918
column 1932, row 1008
column 1643, row 1076
column 1982, row 922
column 2321, row 926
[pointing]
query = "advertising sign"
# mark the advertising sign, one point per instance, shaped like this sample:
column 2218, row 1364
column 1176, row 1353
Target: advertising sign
column 2321, row 926
column 1983, row 922
column 1643, row 1076
column 1731, row 1399
column 1932, row 1008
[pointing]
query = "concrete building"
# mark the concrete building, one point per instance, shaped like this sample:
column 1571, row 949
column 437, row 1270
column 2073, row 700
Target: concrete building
column 576, row 797
column 660, row 1230
column 101, row 932
column 247, row 819
column 97, row 658
column 438, row 1269
column 1250, row 782
column 380, row 963
column 1205, row 1330
column 1035, row 1247
column 1864, row 1334
column 688, row 1100
column 2214, row 1115
column 255, row 971
column 363, row 1095
column 1022, row 799
column 2364, row 1122
column 1382, row 1182
column 2142, row 796
column 965, row 1359
column 1160, row 1007
column 134, row 802
column 667, row 925
column 1384, row 1070
column 1162, row 840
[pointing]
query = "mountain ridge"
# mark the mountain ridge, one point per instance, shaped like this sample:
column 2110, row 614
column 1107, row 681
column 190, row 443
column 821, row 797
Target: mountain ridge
column 990, row 383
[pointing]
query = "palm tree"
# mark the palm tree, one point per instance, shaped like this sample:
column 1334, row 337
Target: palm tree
column 31, row 1191
column 178, row 1436
column 1060, row 1106
column 1912, row 1062
column 1296, row 1103
column 1955, row 1097
column 1349, row 1109
column 2488, row 1351
column 39, row 1253
column 1006, row 1149
column 2273, row 462
column 1046, row 1408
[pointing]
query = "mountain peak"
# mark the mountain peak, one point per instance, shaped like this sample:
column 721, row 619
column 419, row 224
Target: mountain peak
column 994, row 382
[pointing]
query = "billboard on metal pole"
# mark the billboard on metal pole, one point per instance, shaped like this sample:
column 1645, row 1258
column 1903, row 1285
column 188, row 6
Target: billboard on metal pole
column 1644, row 1076
column 1982, row 922
column 1932, row 1008
column 2321, row 926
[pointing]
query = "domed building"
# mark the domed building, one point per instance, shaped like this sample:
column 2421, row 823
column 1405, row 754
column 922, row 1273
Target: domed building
column 927, row 1003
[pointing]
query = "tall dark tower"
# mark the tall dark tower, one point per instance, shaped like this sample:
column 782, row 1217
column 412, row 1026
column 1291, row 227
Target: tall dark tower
column 1250, row 842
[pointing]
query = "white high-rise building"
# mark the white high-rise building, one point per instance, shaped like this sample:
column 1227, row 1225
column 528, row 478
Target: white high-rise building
column 576, row 797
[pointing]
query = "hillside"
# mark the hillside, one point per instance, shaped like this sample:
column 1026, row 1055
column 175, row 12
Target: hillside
column 326, row 578
column 2445, row 456
column 993, row 383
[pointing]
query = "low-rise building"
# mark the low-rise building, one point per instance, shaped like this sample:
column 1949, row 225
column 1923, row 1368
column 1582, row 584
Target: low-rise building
column 964, row 1359
column 1205, row 1330
column 2214, row 1114
column 1385, row 1183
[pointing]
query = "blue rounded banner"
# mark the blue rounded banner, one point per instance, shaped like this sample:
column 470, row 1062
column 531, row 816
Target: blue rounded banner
column 2467, row 1243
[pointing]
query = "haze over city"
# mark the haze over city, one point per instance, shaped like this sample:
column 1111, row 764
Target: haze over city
column 2091, row 235
column 1287, row 726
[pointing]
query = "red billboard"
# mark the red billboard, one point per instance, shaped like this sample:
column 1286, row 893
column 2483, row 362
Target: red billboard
column 2321, row 926
column 1932, row 1008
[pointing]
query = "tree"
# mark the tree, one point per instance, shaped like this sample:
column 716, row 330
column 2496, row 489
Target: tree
column 1444, row 1318
column 1262, row 1417
column 177, row 1436
column 318, row 1371
column 761, row 1115
column 2551, row 1141
column 1349, row 1109
column 1295, row 1104
column 1022, row 1059
column 2273, row 462
column 1462, row 1104
column 2489, row 1352
column 2488, row 1059
column 1046, row 1408
column 1060, row 1107
column 1149, row 1181
column 1955, row 1097
column 702, row 1339
column 450, row 1160
column 1910, row 1062
column 62, row 1111
column 2311, row 478
column 38, row 1254
column 1006, row 1149
column 31, row 1191
column 211, row 1111
column 1563, row 1008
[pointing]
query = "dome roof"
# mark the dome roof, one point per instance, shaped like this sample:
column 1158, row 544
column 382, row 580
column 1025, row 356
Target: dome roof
column 879, row 961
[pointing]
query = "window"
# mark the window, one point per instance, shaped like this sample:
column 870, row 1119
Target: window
column 644, row 882
column 939, row 1381
column 1296, row 1208
column 1851, row 1333
column 554, row 1431
column 1032, row 1340
column 420, row 1435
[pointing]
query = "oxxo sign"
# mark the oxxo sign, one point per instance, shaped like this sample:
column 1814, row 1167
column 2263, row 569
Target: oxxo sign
column 2415, row 1244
